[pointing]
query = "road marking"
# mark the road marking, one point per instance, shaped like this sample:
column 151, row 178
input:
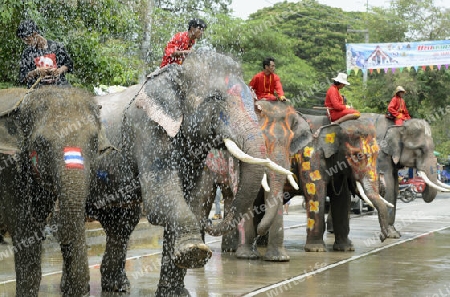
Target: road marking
column 302, row 277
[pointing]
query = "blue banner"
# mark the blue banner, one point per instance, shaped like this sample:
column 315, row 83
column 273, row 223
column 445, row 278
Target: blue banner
column 364, row 56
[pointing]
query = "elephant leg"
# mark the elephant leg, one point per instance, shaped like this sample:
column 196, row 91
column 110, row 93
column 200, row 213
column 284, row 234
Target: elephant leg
column 391, row 190
column 247, row 235
column 118, row 223
column 165, row 206
column 247, row 248
column 171, row 280
column 340, row 207
column 315, row 214
column 275, row 248
column 230, row 240
column 27, row 259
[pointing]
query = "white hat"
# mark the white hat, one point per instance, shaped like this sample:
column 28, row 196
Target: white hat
column 341, row 78
column 399, row 89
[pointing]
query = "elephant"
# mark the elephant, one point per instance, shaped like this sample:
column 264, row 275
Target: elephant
column 163, row 130
column 409, row 145
column 49, row 139
column 284, row 132
column 340, row 159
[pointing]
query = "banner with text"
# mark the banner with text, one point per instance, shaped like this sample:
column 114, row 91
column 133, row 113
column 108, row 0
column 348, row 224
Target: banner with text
column 369, row 56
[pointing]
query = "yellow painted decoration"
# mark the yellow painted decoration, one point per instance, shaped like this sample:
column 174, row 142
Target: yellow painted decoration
column 311, row 188
column 306, row 166
column 329, row 138
column 311, row 223
column 314, row 206
column 375, row 148
column 315, row 175
column 308, row 151
column 373, row 175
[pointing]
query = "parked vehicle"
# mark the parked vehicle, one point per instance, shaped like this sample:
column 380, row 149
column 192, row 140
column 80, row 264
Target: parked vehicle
column 417, row 182
column 406, row 192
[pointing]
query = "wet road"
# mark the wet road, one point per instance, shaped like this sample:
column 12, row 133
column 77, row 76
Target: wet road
column 418, row 264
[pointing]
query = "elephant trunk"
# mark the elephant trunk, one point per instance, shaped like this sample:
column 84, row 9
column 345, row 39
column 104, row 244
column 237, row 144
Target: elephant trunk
column 427, row 169
column 72, row 203
column 273, row 202
column 249, row 184
column 370, row 188
column 71, row 231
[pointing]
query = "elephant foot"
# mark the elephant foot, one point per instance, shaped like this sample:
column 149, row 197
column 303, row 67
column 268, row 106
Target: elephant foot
column 392, row 232
column 171, row 292
column 315, row 245
column 191, row 253
column 122, row 284
column 247, row 251
column 276, row 254
column 344, row 247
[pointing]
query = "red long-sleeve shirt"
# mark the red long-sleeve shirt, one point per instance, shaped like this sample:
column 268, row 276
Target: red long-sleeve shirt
column 335, row 102
column 266, row 85
column 397, row 107
column 179, row 42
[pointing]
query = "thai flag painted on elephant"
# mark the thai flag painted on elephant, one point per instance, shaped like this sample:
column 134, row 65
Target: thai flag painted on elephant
column 73, row 157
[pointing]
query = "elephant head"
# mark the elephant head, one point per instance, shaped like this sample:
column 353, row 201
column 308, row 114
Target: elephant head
column 57, row 138
column 285, row 132
column 341, row 158
column 411, row 145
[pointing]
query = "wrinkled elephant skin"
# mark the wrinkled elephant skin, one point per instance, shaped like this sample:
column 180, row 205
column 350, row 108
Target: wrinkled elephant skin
column 49, row 144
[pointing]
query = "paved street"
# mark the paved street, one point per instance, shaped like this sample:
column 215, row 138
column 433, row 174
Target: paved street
column 418, row 264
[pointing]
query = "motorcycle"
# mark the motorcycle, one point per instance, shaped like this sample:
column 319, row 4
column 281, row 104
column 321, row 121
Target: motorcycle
column 407, row 192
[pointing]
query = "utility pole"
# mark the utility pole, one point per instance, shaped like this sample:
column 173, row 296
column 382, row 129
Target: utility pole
column 366, row 40
column 148, row 7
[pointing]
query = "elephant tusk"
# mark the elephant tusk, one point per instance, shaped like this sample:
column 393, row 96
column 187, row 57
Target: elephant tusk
column 363, row 194
column 430, row 183
column 443, row 185
column 265, row 184
column 292, row 181
column 387, row 202
column 239, row 154
column 277, row 168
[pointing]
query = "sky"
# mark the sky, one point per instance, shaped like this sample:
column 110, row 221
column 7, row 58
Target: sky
column 243, row 8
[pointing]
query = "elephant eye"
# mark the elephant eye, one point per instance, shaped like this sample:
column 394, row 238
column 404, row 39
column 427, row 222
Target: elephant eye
column 360, row 156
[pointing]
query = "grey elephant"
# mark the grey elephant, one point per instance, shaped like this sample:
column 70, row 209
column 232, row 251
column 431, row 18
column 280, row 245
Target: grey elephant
column 164, row 130
column 409, row 145
column 284, row 132
column 340, row 161
column 49, row 139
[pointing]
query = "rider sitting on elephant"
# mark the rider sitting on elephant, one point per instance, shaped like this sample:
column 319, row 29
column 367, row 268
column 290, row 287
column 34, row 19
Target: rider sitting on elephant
column 181, row 43
column 397, row 107
column 42, row 58
column 334, row 101
column 266, row 82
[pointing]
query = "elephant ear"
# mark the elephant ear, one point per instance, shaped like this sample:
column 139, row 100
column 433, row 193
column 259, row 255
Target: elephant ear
column 391, row 144
column 329, row 139
column 10, row 133
column 161, row 98
column 302, row 133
